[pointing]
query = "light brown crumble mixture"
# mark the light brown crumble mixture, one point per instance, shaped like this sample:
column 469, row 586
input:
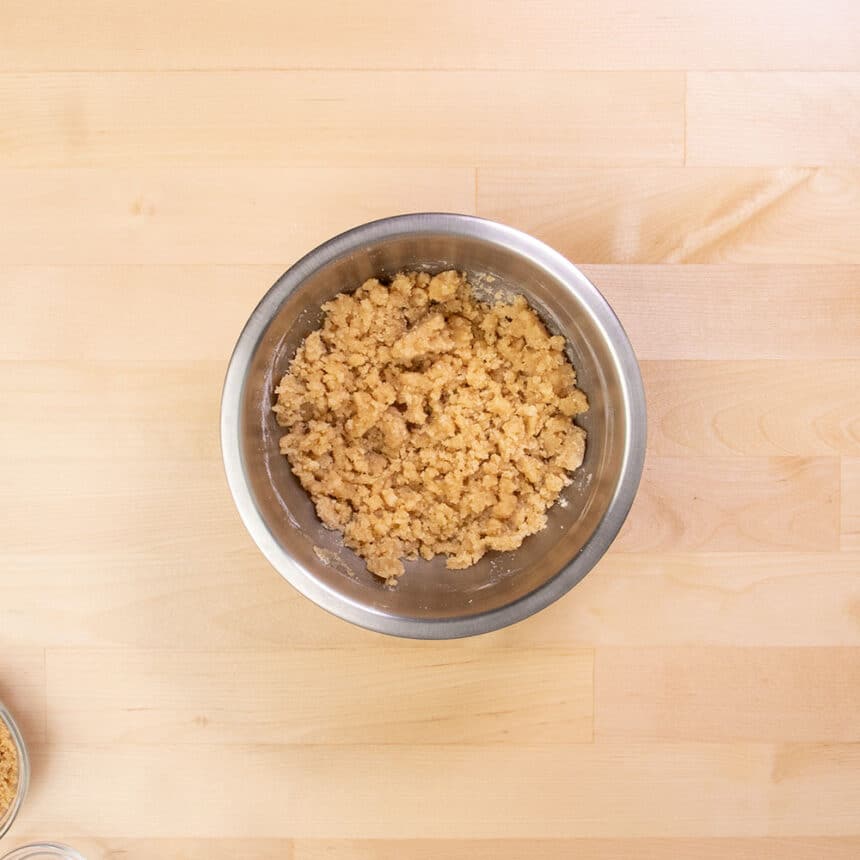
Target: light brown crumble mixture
column 8, row 769
column 422, row 421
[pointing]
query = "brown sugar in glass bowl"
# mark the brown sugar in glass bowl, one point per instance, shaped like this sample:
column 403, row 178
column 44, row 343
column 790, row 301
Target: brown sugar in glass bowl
column 14, row 770
column 430, row 600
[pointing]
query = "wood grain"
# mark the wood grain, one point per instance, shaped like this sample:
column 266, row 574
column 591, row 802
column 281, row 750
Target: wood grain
column 162, row 163
column 685, row 599
column 146, row 412
column 684, row 504
column 183, row 313
column 753, row 407
column 731, row 504
column 619, row 848
column 119, row 503
column 851, row 503
column 682, row 215
column 333, row 118
column 423, row 695
column 727, row 694
column 167, row 410
column 193, row 215
column 224, row 594
column 722, row 307
column 773, row 118
column 194, row 312
column 179, row 848
column 814, row 848
column 373, row 791
column 554, row 34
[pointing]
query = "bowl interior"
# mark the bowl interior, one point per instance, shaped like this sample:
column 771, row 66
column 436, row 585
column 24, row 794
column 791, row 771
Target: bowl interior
column 315, row 556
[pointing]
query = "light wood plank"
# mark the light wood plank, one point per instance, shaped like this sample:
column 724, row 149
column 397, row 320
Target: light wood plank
column 220, row 593
column 716, row 311
column 728, row 694
column 850, row 525
column 773, row 118
column 555, row 34
column 379, row 119
column 686, row 599
column 386, row 693
column 808, row 848
column 229, row 215
column 195, row 312
column 373, row 791
column 735, row 504
column 158, row 412
column 163, row 565
column 753, row 407
column 160, row 313
column 191, row 704
column 118, row 504
column 703, row 504
column 645, row 848
column 170, row 409
column 95, row 847
column 172, row 590
column 682, row 215
column 22, row 688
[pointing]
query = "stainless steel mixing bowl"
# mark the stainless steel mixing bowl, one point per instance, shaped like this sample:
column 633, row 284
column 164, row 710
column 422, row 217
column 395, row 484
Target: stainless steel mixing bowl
column 431, row 602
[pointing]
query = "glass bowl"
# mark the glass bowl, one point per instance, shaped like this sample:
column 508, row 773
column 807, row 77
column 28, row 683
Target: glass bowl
column 10, row 814
column 43, row 851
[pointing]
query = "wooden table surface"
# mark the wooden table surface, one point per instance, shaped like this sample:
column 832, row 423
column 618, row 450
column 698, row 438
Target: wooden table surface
column 698, row 695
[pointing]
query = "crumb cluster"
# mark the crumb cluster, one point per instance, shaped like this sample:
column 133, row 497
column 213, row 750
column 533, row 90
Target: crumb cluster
column 422, row 421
